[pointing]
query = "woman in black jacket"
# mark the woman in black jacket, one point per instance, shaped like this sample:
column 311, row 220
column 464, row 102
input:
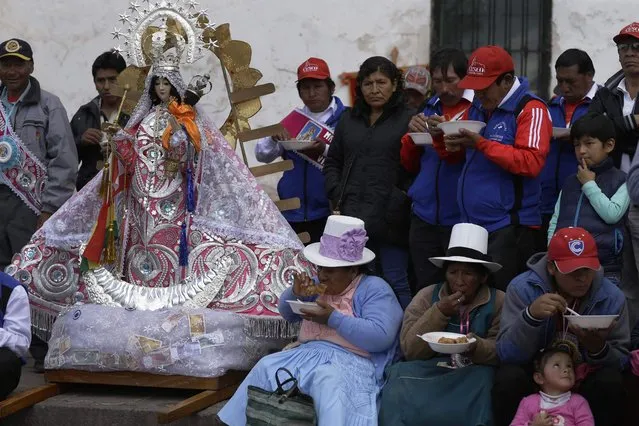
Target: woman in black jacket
column 364, row 177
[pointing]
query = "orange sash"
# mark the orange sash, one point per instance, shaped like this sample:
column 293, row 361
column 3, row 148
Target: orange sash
column 185, row 115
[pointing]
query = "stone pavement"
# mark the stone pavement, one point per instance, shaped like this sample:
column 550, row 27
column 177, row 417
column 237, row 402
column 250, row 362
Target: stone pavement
column 103, row 406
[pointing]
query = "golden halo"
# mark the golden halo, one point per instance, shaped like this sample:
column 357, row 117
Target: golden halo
column 235, row 57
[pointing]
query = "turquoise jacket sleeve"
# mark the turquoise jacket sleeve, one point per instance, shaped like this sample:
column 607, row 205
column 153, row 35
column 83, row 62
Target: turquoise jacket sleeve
column 553, row 221
column 611, row 210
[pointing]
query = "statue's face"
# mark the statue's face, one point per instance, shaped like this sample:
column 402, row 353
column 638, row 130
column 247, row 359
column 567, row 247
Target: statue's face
column 163, row 89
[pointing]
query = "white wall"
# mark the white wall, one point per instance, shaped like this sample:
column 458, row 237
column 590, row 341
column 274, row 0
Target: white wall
column 590, row 25
column 67, row 35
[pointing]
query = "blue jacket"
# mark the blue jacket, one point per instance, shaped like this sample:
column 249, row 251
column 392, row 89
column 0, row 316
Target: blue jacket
column 375, row 325
column 561, row 161
column 7, row 284
column 521, row 337
column 306, row 182
column 575, row 210
column 489, row 195
column 434, row 192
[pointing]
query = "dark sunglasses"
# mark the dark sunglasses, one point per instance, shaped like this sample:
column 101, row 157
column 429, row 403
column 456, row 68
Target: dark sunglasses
column 624, row 47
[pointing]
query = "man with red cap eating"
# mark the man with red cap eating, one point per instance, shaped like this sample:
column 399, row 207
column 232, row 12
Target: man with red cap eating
column 499, row 187
column 536, row 315
column 305, row 181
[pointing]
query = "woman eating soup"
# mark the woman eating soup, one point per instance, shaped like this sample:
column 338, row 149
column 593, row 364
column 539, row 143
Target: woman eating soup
column 456, row 387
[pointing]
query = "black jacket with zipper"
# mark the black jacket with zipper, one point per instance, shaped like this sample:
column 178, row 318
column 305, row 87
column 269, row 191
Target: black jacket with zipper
column 88, row 117
column 609, row 101
column 363, row 169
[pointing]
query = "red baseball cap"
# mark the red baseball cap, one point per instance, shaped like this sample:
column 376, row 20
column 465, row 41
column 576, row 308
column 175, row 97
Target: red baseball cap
column 631, row 30
column 313, row 68
column 484, row 66
column 572, row 249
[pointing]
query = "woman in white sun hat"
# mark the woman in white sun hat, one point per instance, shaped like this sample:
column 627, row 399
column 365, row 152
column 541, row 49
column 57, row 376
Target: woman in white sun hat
column 465, row 304
column 345, row 342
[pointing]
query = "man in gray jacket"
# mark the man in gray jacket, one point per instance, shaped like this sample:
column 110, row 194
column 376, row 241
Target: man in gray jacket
column 38, row 157
column 534, row 317
column 40, row 162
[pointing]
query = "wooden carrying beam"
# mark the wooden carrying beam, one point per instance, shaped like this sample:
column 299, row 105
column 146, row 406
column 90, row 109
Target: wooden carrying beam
column 267, row 169
column 28, row 398
column 194, row 404
column 244, row 95
column 132, row 378
column 262, row 132
column 288, row 204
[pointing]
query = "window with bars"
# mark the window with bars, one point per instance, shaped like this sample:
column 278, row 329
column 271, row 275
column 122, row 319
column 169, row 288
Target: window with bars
column 522, row 27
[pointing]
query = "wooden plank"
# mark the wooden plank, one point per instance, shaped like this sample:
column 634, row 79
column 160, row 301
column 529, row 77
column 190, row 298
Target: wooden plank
column 243, row 95
column 288, row 204
column 194, row 404
column 304, row 237
column 262, row 132
column 132, row 378
column 267, row 169
column 28, row 398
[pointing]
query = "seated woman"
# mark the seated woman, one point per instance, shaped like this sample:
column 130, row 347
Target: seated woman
column 344, row 346
column 434, row 389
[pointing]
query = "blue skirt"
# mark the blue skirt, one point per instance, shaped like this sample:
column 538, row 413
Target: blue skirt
column 343, row 385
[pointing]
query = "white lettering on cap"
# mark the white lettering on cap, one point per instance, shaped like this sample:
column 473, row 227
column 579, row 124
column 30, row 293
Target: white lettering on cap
column 476, row 68
column 309, row 67
column 632, row 28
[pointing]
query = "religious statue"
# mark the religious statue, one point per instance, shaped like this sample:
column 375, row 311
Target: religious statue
column 175, row 220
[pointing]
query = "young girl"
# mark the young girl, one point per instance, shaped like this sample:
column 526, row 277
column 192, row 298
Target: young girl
column 554, row 405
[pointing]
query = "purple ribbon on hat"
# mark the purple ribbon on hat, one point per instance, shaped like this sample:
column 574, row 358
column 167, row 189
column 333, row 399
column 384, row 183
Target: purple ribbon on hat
column 348, row 247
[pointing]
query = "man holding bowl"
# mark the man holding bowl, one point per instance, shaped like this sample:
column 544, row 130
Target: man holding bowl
column 499, row 187
column 536, row 314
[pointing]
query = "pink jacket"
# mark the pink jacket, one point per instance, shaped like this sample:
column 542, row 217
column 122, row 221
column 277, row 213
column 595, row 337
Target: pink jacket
column 576, row 412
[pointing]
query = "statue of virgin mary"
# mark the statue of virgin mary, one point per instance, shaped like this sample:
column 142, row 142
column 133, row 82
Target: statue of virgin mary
column 175, row 220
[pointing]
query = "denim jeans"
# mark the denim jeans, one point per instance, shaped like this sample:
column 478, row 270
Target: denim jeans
column 392, row 262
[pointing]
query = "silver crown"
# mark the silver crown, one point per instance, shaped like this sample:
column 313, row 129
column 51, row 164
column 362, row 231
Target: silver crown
column 167, row 48
column 164, row 33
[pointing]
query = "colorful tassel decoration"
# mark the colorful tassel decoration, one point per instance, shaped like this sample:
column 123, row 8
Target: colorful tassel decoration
column 104, row 185
column 109, row 244
column 84, row 265
column 184, row 249
column 190, row 190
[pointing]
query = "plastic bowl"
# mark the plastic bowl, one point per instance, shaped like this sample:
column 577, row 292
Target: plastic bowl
column 296, row 305
column 421, row 138
column 591, row 321
column 446, row 348
column 453, row 127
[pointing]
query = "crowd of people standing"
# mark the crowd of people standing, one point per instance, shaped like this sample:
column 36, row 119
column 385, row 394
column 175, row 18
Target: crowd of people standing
column 493, row 234
column 550, row 182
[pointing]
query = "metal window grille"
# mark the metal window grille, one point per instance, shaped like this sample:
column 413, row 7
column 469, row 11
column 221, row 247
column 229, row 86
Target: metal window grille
column 522, row 27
